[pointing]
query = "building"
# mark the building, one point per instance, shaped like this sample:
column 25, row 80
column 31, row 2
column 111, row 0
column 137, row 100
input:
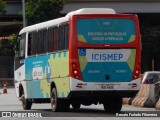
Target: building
column 12, row 21
column 121, row 6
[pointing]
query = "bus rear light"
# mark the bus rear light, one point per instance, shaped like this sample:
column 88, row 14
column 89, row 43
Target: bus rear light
column 138, row 66
column 74, row 66
column 136, row 72
column 75, row 72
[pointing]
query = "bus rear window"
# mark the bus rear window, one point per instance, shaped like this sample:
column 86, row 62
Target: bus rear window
column 106, row 30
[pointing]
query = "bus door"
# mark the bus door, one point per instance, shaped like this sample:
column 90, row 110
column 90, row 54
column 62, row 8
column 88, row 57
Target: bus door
column 19, row 67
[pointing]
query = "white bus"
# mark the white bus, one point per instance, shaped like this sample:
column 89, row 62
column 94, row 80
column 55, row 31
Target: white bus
column 90, row 56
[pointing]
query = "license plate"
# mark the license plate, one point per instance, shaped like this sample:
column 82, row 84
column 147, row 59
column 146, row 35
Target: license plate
column 104, row 86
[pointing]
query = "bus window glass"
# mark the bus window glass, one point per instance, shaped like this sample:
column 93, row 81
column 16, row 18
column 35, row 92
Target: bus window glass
column 40, row 42
column 45, row 40
column 32, row 46
column 61, row 38
column 50, row 38
column 55, row 39
column 106, row 30
column 29, row 43
column 66, row 32
column 22, row 46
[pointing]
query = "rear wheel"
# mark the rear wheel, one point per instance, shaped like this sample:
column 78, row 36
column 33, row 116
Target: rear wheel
column 57, row 104
column 113, row 105
column 26, row 103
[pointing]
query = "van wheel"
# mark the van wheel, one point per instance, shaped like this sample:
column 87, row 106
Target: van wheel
column 26, row 103
column 113, row 105
column 57, row 104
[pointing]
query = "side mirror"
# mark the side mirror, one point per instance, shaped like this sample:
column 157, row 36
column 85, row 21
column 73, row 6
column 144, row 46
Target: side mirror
column 19, row 37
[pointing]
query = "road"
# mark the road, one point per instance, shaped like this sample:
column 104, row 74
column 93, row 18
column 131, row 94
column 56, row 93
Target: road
column 9, row 102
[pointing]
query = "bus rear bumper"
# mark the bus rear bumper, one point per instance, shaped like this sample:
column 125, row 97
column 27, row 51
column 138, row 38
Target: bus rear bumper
column 123, row 88
column 101, row 94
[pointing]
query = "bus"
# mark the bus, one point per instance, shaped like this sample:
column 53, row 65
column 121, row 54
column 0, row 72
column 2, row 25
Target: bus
column 90, row 56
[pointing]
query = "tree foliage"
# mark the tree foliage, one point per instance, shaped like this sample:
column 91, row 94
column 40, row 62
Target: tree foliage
column 7, row 46
column 12, row 39
column 42, row 10
column 2, row 7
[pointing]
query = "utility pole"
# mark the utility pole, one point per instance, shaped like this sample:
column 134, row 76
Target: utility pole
column 23, row 9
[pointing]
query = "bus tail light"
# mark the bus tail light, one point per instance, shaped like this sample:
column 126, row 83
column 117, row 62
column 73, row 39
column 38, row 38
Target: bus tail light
column 136, row 72
column 74, row 65
column 76, row 71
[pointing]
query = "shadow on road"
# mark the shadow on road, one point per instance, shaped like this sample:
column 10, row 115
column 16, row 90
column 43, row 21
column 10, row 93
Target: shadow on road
column 82, row 112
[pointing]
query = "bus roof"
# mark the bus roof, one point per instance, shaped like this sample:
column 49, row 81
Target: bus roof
column 66, row 18
column 92, row 11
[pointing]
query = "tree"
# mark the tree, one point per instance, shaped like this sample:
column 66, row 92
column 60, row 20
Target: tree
column 2, row 7
column 42, row 10
column 12, row 39
column 7, row 46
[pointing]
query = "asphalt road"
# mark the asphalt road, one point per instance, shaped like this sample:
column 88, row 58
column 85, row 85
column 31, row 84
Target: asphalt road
column 9, row 102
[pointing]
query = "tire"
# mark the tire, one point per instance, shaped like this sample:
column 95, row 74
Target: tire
column 26, row 104
column 113, row 105
column 76, row 105
column 58, row 105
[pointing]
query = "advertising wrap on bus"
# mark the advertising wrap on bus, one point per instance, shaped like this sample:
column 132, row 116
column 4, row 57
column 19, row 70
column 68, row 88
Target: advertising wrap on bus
column 105, row 65
column 106, row 30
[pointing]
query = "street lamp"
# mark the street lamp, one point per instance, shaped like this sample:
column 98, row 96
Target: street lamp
column 23, row 9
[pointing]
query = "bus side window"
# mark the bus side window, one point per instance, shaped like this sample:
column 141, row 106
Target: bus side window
column 18, row 38
column 21, row 52
column 45, row 41
column 61, row 38
column 40, row 42
column 50, row 40
column 56, row 39
column 53, row 39
column 32, row 46
column 29, row 43
column 66, row 32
